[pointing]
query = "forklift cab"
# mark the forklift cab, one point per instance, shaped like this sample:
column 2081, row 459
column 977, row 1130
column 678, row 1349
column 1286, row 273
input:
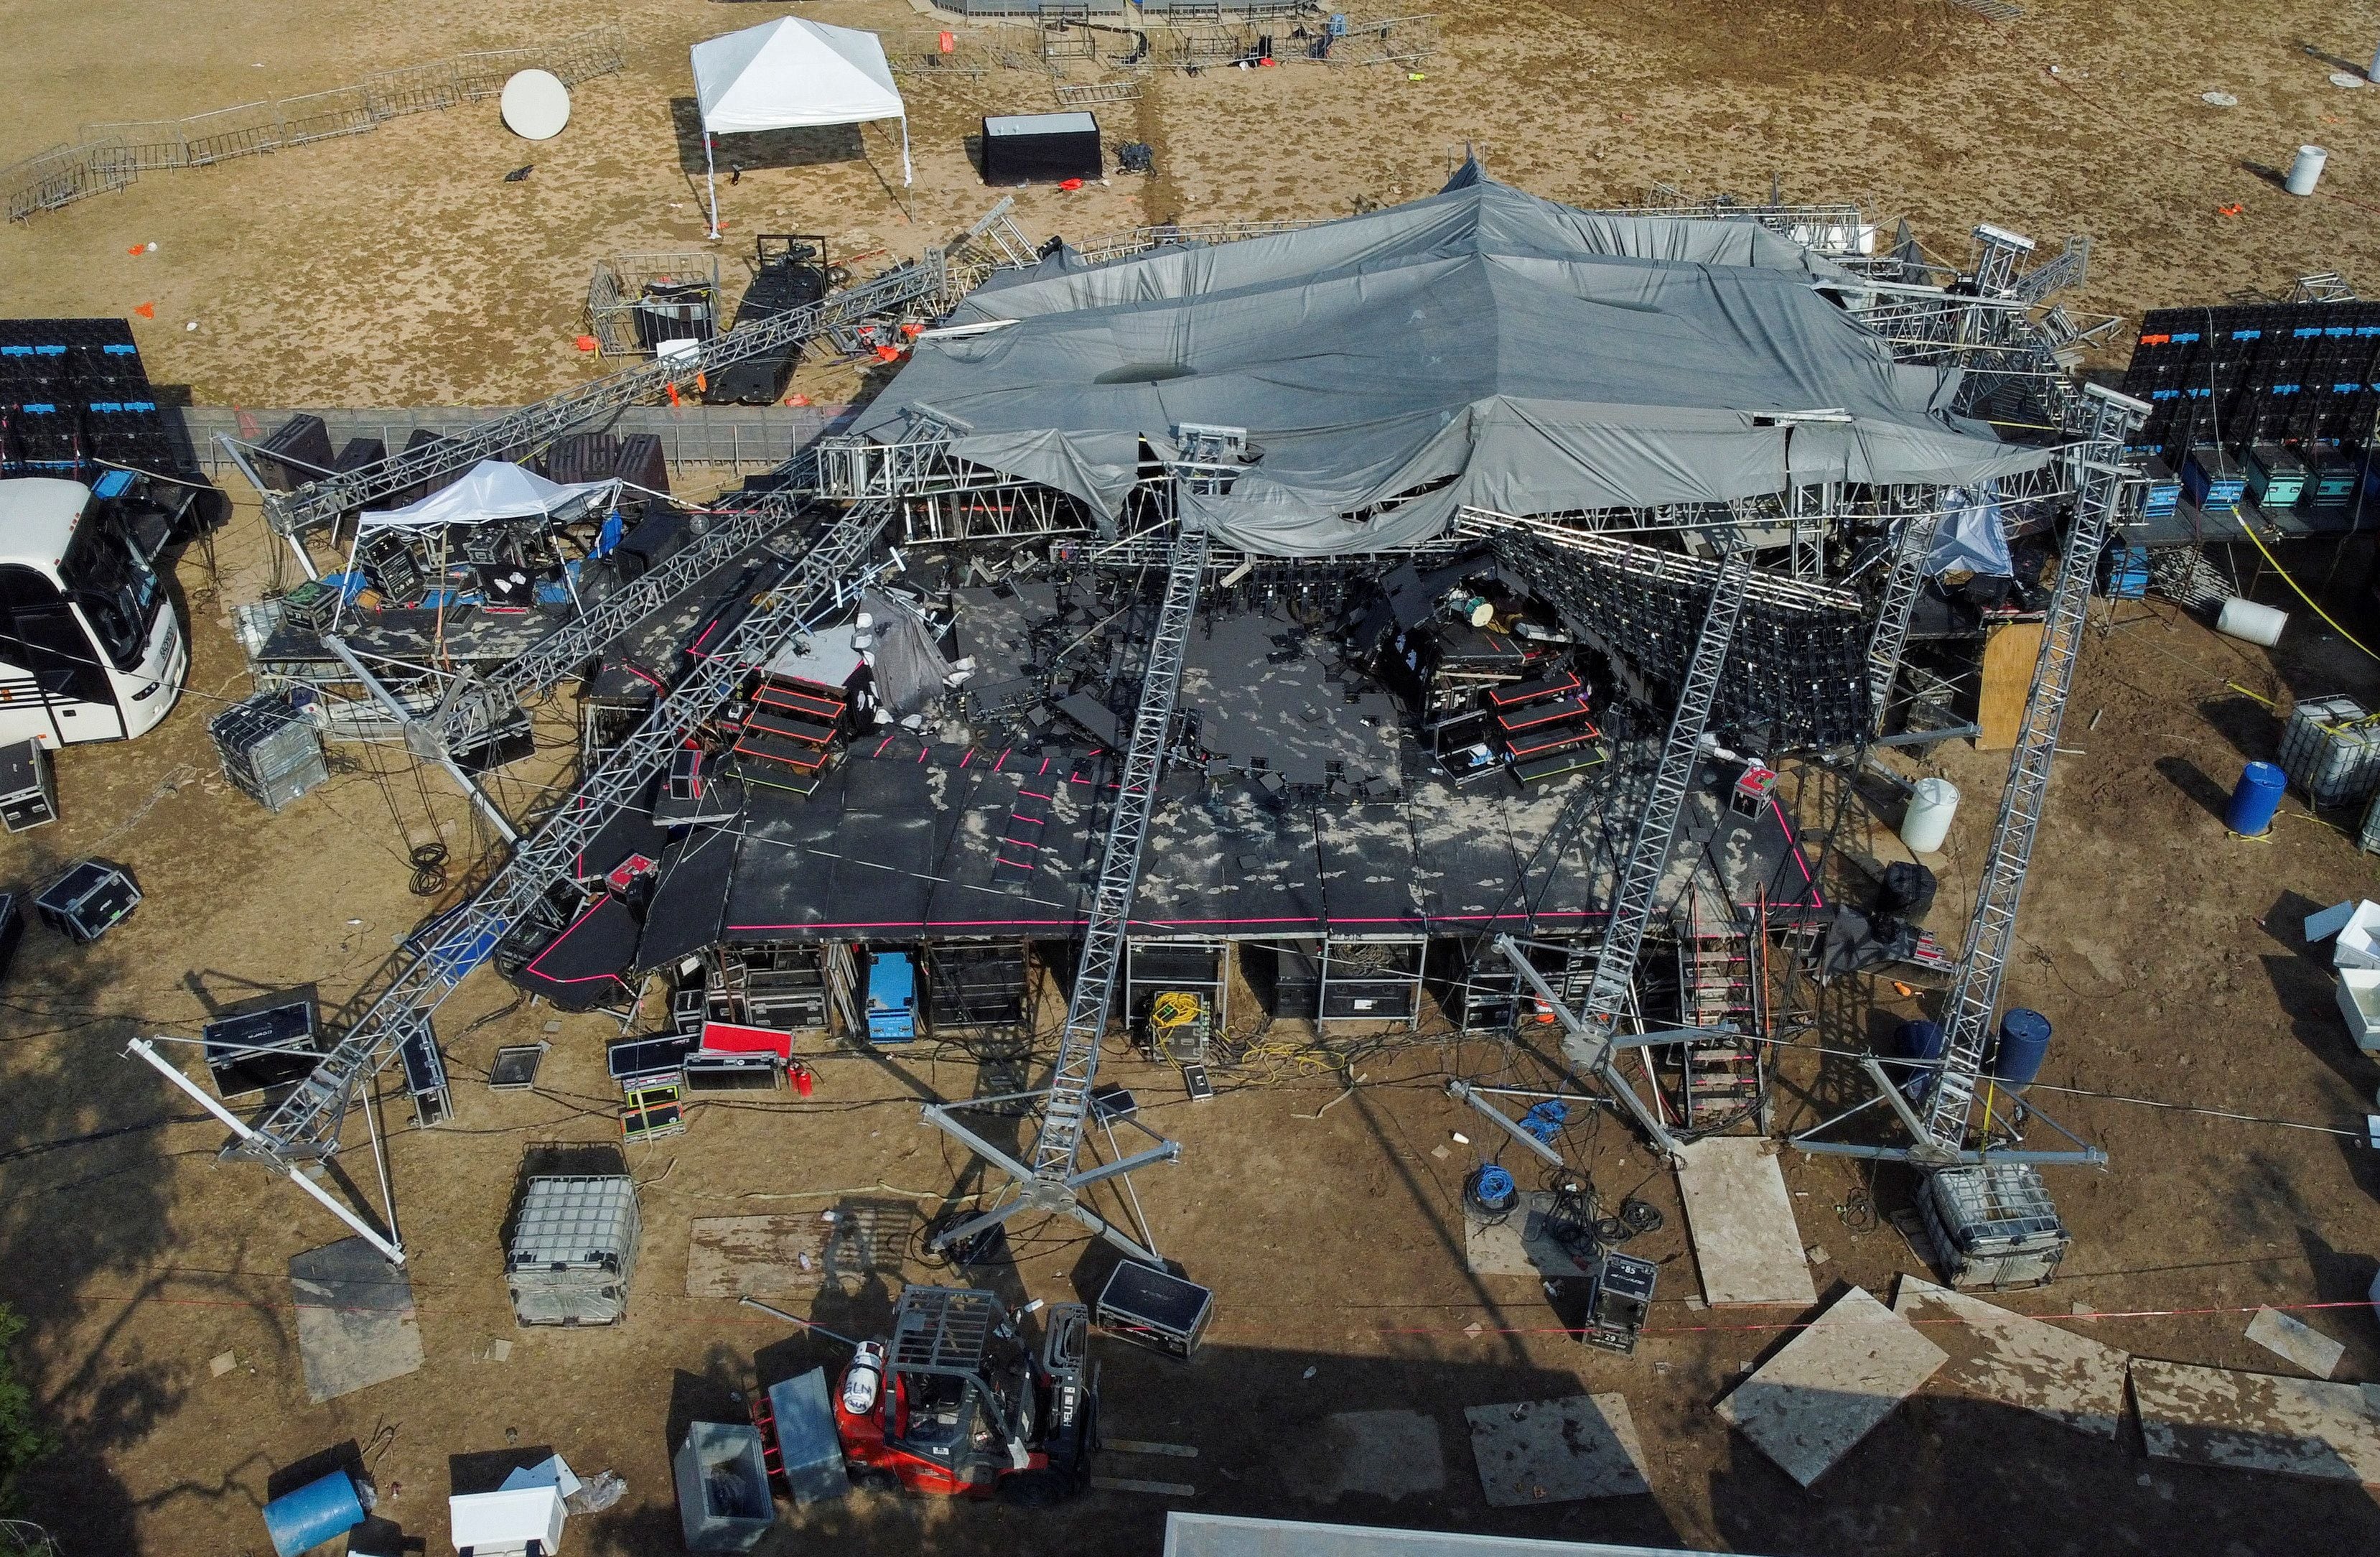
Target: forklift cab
column 956, row 1403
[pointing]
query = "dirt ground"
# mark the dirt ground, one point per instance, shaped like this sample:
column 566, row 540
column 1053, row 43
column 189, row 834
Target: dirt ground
column 396, row 267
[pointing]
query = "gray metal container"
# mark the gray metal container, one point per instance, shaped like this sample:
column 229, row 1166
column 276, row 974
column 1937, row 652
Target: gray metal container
column 1992, row 1225
column 270, row 751
column 574, row 1248
column 2331, row 752
column 722, row 1487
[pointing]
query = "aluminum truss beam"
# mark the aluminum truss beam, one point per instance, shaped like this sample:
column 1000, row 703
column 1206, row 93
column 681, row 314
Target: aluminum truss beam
column 306, row 1124
column 1902, row 582
column 1050, row 1181
column 1610, row 986
column 476, row 705
column 2100, row 487
column 320, row 503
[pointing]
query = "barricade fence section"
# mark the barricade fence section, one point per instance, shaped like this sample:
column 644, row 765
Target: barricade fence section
column 104, row 157
column 717, row 438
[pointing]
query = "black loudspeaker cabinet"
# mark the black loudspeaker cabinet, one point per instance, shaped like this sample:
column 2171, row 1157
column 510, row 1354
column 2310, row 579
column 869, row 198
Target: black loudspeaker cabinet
column 1042, row 149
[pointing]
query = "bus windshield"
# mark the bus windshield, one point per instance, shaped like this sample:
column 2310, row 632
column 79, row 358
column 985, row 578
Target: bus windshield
column 116, row 590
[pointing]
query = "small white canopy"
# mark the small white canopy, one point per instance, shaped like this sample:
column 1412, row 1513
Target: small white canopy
column 493, row 489
column 792, row 73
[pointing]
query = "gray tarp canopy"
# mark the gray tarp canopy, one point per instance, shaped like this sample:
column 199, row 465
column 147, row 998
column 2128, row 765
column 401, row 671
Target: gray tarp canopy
column 1478, row 347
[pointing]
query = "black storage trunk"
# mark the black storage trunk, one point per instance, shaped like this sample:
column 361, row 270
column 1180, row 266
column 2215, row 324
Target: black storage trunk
column 298, row 452
column 792, row 275
column 29, row 788
column 1155, row 1308
column 975, row 986
column 87, row 901
column 239, row 1072
column 1287, row 977
column 1042, row 149
column 12, row 930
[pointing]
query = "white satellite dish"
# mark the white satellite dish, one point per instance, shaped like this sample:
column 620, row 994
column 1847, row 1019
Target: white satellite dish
column 535, row 105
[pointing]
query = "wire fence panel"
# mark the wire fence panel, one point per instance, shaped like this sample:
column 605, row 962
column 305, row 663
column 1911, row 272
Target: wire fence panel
column 152, row 144
column 319, row 115
column 108, row 156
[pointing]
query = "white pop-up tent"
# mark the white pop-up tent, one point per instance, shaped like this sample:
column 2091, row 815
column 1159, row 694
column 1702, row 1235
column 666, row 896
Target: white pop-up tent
column 493, row 489
column 789, row 74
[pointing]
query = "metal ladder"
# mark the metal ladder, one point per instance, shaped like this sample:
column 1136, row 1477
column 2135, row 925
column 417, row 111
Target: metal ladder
column 1068, row 1102
column 437, row 958
column 1610, row 987
column 1719, row 983
column 320, row 503
column 2101, row 483
column 478, row 705
column 998, row 231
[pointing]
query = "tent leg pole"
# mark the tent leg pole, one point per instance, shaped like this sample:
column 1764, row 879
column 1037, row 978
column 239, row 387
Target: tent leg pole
column 908, row 176
column 711, row 182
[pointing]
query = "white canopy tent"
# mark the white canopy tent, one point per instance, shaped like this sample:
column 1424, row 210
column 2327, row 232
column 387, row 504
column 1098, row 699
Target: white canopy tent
column 491, row 490
column 790, row 74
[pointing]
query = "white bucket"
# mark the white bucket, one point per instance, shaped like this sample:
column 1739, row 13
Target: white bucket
column 2306, row 171
column 2246, row 620
column 1932, row 803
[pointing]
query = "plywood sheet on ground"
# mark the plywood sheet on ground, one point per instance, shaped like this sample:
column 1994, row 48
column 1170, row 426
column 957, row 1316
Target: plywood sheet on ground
column 764, row 1257
column 2258, row 1421
column 1557, row 1450
column 1746, row 1243
column 2008, row 655
column 2006, row 1356
column 1811, row 1404
column 1518, row 1245
column 2292, row 1340
column 355, row 1321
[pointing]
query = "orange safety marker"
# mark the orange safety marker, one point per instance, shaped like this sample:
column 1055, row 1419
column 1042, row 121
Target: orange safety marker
column 670, row 390
column 798, row 399
column 138, row 249
column 2230, row 209
column 588, row 343
column 701, row 383
column 888, row 354
column 1070, row 185
column 147, row 310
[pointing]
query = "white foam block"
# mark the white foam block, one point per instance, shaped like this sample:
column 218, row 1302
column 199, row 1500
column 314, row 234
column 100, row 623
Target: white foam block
column 2325, row 923
column 2292, row 1340
column 1811, row 1404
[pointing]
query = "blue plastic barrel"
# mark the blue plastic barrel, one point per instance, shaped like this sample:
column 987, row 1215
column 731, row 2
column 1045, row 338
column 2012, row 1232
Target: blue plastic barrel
column 304, row 1519
column 2024, row 1044
column 1918, row 1039
column 2256, row 799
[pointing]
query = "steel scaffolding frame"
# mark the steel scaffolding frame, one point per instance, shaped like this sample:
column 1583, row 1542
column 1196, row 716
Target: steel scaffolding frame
column 1903, row 580
column 2104, row 485
column 437, row 958
column 1050, row 1181
column 319, row 504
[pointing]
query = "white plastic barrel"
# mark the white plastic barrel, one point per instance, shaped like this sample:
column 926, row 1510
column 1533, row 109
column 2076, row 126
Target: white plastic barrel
column 2246, row 620
column 1932, row 803
column 2306, row 171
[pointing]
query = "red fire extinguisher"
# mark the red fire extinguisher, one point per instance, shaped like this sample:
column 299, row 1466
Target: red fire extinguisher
column 804, row 1081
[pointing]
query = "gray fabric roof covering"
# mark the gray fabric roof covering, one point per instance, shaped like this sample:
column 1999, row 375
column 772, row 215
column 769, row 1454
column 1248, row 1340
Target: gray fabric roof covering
column 1505, row 351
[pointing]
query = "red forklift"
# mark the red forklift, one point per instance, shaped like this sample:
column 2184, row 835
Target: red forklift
column 956, row 1404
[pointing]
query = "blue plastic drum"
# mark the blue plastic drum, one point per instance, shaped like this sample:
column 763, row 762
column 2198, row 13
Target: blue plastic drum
column 2254, row 801
column 316, row 1513
column 2024, row 1044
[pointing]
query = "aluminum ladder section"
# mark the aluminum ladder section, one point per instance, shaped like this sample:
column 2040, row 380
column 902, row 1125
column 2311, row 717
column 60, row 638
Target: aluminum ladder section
column 2100, row 488
column 321, row 503
column 479, row 705
column 437, row 958
column 1903, row 585
column 1068, row 1102
column 998, row 231
column 1613, row 981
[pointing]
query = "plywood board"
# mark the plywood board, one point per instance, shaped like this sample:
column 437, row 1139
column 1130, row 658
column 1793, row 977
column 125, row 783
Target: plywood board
column 356, row 1320
column 1518, row 1245
column 1747, row 1245
column 1811, row 1404
column 2292, row 1340
column 2258, row 1421
column 757, row 1256
column 2016, row 1361
column 1557, row 1450
column 2010, row 655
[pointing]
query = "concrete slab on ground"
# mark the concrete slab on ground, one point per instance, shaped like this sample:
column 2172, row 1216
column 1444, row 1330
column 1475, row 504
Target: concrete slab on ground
column 2292, row 1340
column 1747, row 1245
column 1999, row 1355
column 1557, row 1450
column 1385, row 1454
column 1811, row 1404
column 2258, row 1421
column 356, row 1320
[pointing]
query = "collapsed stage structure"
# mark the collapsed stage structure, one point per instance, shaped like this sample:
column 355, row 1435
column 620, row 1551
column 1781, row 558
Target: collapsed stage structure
column 1409, row 608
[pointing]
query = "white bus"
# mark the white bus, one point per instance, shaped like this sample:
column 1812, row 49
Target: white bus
column 89, row 648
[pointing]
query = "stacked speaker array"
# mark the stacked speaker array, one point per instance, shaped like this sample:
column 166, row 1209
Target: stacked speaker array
column 73, row 395
column 2291, row 373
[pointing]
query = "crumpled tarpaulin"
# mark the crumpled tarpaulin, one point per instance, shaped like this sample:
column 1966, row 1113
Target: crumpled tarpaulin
column 1478, row 347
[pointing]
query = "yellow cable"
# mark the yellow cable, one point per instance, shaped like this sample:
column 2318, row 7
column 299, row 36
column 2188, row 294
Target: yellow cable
column 2292, row 583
